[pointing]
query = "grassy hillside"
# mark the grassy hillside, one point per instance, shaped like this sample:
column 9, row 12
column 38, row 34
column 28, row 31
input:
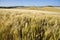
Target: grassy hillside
column 28, row 26
column 53, row 9
column 46, row 8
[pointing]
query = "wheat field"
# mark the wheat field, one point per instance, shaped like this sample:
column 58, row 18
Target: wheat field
column 16, row 25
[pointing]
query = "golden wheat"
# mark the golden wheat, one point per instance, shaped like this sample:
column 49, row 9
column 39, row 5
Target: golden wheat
column 28, row 26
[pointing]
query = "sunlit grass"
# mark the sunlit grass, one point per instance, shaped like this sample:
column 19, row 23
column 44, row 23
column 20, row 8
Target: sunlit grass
column 29, row 26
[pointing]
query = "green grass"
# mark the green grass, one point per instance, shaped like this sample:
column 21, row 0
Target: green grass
column 25, row 26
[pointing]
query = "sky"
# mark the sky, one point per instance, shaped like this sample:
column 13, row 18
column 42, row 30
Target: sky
column 29, row 2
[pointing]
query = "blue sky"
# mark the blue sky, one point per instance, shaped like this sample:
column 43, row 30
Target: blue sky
column 29, row 2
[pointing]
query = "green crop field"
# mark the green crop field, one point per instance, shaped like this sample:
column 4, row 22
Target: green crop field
column 18, row 25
